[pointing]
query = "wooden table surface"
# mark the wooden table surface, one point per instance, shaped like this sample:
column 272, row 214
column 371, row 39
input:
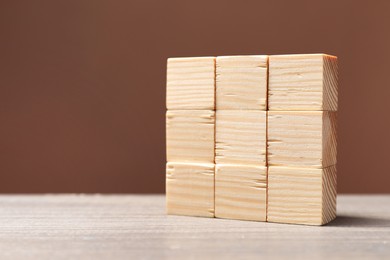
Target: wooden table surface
column 136, row 227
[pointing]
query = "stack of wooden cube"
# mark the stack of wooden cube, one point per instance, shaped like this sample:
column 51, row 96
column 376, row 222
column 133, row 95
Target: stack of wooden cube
column 252, row 137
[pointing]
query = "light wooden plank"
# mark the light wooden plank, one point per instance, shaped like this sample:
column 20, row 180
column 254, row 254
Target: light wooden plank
column 191, row 83
column 190, row 135
column 302, row 138
column 301, row 195
column 303, row 82
column 240, row 192
column 190, row 189
column 96, row 226
column 241, row 82
column 241, row 137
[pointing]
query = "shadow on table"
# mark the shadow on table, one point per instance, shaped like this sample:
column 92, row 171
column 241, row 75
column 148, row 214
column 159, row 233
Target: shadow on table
column 354, row 221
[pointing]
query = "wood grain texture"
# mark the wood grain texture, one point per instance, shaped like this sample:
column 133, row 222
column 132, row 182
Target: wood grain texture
column 329, row 138
column 302, row 138
column 47, row 227
column 330, row 83
column 240, row 137
column 190, row 135
column 329, row 194
column 302, row 82
column 190, row 189
column 240, row 192
column 241, row 82
column 191, row 83
column 301, row 195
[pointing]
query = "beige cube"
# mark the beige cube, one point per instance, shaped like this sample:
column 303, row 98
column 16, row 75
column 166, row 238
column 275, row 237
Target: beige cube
column 241, row 137
column 190, row 136
column 302, row 82
column 241, row 82
column 241, row 192
column 190, row 189
column 302, row 138
column 301, row 195
column 191, row 83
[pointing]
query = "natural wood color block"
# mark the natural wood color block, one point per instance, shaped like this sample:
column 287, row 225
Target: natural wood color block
column 190, row 135
column 241, row 82
column 191, row 83
column 241, row 192
column 190, row 189
column 241, row 137
column 302, row 82
column 302, row 138
column 301, row 195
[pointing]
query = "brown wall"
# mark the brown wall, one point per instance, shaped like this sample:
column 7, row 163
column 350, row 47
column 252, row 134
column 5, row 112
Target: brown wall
column 82, row 83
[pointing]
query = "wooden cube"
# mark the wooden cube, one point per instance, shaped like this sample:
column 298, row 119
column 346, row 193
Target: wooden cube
column 302, row 138
column 302, row 82
column 241, row 82
column 190, row 189
column 241, row 192
column 191, row 83
column 241, row 137
column 190, row 135
column 301, row 195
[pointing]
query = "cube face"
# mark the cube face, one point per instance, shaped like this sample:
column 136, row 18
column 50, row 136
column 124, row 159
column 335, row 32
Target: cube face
column 241, row 192
column 329, row 194
column 302, row 82
column 301, row 195
column 298, row 138
column 329, row 138
column 191, row 83
column 190, row 189
column 190, row 136
column 241, row 137
column 330, row 79
column 241, row 82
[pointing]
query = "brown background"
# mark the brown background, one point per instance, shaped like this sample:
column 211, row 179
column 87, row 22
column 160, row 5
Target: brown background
column 82, row 83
